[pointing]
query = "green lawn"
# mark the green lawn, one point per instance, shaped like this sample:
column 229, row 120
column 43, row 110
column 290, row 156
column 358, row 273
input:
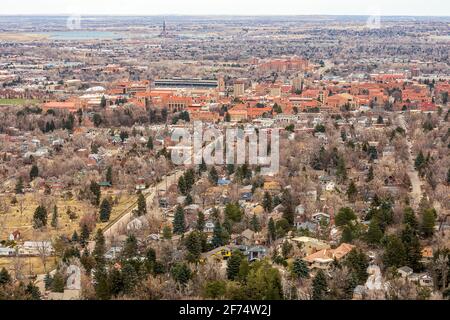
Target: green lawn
column 17, row 102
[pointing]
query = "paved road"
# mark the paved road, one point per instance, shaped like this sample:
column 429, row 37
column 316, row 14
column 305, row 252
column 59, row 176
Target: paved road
column 416, row 183
column 117, row 226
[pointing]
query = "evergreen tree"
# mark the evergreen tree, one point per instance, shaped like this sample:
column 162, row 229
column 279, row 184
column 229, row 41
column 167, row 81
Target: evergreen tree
column 142, row 205
column 412, row 248
column 218, row 235
column 101, row 283
column 374, row 234
column 267, row 202
column 130, row 278
column 254, row 224
column 344, row 216
column 179, row 225
column 150, row 143
column 233, row 264
column 33, row 291
column 84, row 236
column 58, row 282
column 352, row 192
column 116, row 282
column 95, row 190
column 167, row 233
column 358, row 263
column 428, row 222
column 103, row 102
column 227, row 117
column 130, row 248
column 394, row 253
column 109, row 175
column 409, row 218
column 19, row 186
column 288, row 211
column 233, row 212
column 54, row 222
column 300, row 269
column 5, row 277
column 341, row 170
column 347, row 235
column 182, row 185
column 319, row 286
column 193, row 244
column 272, row 231
column 370, row 174
column 75, row 237
column 40, row 217
column 200, row 221
column 181, row 273
column 105, row 210
column 34, row 172
column 48, row 281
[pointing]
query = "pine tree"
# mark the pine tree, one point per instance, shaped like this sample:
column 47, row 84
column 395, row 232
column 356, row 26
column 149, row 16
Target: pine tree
column 48, row 281
column 267, row 202
column 19, row 186
column 109, row 175
column 300, row 269
column 95, row 190
column 130, row 278
column 409, row 218
column 181, row 273
column 227, row 117
column 142, row 205
column 394, row 253
column 233, row 264
column 54, row 222
column 58, row 282
column 344, row 216
column 352, row 192
column 5, row 277
column 272, row 231
column 200, row 221
column 319, row 286
column 75, row 237
column 358, row 263
column 150, row 143
column 254, row 224
column 33, row 291
column 116, row 282
column 217, row 238
column 167, row 233
column 347, row 235
column 105, row 210
column 412, row 248
column 102, row 288
column 374, row 234
column 179, row 225
column 370, row 174
column 34, row 172
column 182, row 185
column 130, row 248
column 84, row 236
column 193, row 244
column 428, row 222
column 40, row 217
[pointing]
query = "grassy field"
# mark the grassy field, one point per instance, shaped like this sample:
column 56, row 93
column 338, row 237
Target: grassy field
column 29, row 265
column 20, row 215
column 18, row 102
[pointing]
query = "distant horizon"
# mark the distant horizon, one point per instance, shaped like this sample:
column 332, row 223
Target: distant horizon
column 218, row 15
column 397, row 8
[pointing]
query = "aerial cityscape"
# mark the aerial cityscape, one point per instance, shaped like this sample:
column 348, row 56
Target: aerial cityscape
column 224, row 157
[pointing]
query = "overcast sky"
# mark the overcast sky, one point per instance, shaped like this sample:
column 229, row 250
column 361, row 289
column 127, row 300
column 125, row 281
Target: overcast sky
column 228, row 7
